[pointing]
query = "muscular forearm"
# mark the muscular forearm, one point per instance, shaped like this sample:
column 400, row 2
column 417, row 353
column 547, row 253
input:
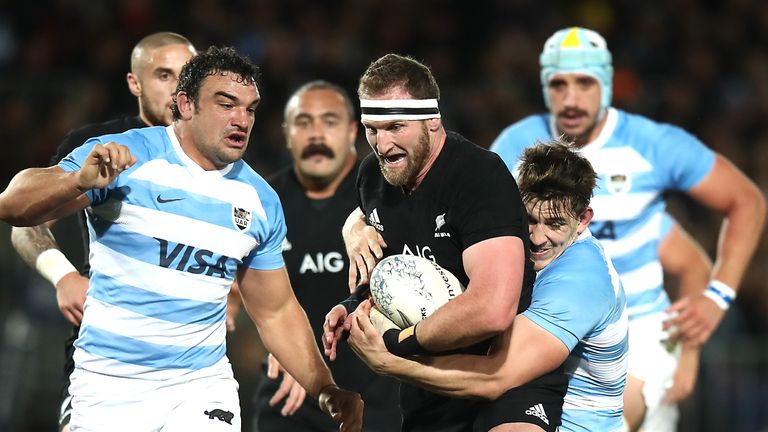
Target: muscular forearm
column 34, row 194
column 739, row 236
column 288, row 336
column 464, row 321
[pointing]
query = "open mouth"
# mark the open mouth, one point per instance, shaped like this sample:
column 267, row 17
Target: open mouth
column 236, row 139
column 394, row 159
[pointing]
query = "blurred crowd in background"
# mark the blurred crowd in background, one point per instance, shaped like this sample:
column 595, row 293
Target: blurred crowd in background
column 702, row 65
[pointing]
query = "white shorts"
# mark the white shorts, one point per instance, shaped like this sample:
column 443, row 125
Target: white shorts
column 197, row 402
column 654, row 363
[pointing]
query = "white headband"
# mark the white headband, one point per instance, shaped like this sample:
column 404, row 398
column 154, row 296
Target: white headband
column 398, row 109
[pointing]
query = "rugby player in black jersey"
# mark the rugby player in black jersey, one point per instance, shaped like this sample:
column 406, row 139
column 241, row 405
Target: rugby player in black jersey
column 432, row 193
column 156, row 62
column 317, row 193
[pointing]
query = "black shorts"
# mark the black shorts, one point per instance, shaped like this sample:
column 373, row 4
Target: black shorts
column 539, row 402
column 65, row 413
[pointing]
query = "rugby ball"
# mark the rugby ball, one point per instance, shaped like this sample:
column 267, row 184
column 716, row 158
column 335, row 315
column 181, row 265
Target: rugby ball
column 407, row 289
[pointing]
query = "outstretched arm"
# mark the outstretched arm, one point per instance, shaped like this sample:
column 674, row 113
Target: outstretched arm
column 285, row 331
column 37, row 195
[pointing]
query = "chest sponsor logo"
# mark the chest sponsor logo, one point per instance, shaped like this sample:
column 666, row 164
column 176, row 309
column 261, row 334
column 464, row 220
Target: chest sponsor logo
column 374, row 221
column 439, row 224
column 618, row 184
column 419, row 251
column 331, row 262
column 190, row 259
column 241, row 218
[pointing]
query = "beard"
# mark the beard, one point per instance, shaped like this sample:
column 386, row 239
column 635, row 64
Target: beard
column 414, row 163
column 155, row 118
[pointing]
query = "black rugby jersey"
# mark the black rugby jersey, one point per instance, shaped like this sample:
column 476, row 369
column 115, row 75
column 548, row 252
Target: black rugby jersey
column 317, row 265
column 467, row 196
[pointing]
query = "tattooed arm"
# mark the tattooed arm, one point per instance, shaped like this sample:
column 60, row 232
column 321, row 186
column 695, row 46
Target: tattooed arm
column 37, row 247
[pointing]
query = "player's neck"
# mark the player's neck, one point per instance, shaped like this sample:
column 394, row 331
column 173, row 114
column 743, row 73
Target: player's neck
column 591, row 134
column 317, row 189
column 438, row 142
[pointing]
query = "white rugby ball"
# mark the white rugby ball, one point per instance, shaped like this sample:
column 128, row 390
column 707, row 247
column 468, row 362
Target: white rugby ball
column 407, row 288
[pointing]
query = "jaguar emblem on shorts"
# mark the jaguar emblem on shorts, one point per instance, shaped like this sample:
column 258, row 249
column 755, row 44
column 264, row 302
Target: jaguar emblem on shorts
column 619, row 183
column 241, row 217
column 222, row 415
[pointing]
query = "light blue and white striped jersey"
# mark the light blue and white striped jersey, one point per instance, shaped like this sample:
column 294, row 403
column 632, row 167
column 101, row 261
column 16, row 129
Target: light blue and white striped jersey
column 579, row 299
column 167, row 238
column 636, row 160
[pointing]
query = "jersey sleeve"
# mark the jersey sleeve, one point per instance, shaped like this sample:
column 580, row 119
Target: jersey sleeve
column 269, row 254
column 685, row 159
column 570, row 297
column 74, row 161
column 488, row 204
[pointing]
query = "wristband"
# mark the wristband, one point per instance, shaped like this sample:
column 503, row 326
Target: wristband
column 720, row 293
column 53, row 265
column 403, row 343
column 354, row 300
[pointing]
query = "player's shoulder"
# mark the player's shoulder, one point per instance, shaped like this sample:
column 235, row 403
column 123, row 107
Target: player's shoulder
column 522, row 134
column 639, row 129
column 468, row 155
column 584, row 260
column 78, row 136
column 243, row 173
column 281, row 179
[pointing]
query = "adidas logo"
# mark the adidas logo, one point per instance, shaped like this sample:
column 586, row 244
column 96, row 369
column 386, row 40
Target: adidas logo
column 374, row 221
column 538, row 411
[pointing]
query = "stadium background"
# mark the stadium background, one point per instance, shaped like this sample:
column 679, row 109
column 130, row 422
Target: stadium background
column 701, row 65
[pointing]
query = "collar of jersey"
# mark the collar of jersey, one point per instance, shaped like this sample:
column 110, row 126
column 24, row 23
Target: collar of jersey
column 186, row 160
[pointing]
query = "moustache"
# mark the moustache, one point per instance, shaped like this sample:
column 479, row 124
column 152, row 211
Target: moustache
column 317, row 149
column 572, row 112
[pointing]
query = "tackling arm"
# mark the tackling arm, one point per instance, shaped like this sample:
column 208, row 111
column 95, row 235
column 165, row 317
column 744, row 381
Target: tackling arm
column 524, row 352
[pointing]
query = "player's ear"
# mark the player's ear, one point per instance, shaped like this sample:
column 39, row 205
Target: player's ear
column 585, row 219
column 434, row 124
column 133, row 84
column 184, row 104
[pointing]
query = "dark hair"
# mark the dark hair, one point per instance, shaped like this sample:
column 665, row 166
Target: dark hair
column 214, row 60
column 323, row 85
column 553, row 172
column 394, row 70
